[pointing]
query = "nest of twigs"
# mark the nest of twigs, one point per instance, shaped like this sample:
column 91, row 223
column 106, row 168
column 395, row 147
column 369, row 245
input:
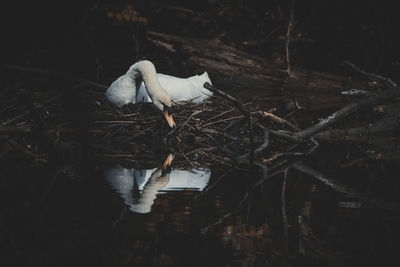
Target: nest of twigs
column 219, row 130
column 47, row 124
column 77, row 122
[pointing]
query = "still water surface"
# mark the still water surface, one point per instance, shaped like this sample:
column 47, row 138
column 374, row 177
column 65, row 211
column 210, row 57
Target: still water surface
column 333, row 208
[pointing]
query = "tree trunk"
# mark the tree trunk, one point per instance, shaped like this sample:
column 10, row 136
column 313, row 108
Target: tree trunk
column 234, row 70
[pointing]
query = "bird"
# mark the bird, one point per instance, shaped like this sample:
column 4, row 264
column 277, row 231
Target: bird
column 142, row 83
column 139, row 187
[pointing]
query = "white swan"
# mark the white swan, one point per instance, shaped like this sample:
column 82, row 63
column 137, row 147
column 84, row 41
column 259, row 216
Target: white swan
column 139, row 188
column 142, row 83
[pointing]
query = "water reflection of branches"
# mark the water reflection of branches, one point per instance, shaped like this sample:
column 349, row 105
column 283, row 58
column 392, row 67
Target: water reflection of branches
column 282, row 167
column 266, row 174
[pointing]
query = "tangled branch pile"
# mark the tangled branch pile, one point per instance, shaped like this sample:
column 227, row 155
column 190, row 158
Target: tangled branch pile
column 39, row 125
column 213, row 131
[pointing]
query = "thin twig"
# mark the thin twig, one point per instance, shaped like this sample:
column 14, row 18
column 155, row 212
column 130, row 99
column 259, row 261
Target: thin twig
column 116, row 122
column 11, row 120
column 265, row 144
column 335, row 185
column 190, row 117
column 186, row 158
column 14, row 130
column 234, row 123
column 221, row 114
column 273, row 171
column 288, row 36
column 240, row 107
column 284, row 217
column 223, row 150
column 388, row 81
column 279, row 120
column 227, row 119
column 216, row 181
column 214, row 157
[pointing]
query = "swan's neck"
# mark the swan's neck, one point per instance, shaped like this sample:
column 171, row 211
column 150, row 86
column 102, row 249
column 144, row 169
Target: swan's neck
column 146, row 72
column 150, row 191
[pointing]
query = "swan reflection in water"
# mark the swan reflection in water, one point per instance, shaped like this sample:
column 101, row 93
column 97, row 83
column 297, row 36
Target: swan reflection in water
column 139, row 188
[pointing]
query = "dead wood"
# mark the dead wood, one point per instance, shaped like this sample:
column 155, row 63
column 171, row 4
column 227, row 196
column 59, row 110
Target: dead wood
column 10, row 130
column 338, row 115
column 241, row 134
column 288, row 37
column 238, row 70
column 337, row 186
column 383, row 125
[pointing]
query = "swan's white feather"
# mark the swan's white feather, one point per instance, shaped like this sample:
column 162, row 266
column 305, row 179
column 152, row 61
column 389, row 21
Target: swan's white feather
column 123, row 181
column 123, row 90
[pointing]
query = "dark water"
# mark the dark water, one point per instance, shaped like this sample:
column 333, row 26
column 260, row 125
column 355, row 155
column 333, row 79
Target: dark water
column 335, row 207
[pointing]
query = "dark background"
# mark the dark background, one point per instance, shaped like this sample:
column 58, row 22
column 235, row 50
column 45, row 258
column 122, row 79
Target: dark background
column 78, row 36
column 85, row 39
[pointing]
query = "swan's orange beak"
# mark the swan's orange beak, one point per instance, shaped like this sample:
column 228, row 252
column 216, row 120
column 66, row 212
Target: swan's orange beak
column 169, row 119
column 168, row 162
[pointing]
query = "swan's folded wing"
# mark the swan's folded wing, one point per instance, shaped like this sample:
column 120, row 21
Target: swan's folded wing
column 120, row 179
column 196, row 179
column 185, row 89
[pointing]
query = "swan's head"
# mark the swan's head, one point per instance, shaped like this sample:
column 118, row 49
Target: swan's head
column 164, row 104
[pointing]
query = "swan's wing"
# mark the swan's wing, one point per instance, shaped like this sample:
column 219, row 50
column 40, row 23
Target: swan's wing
column 177, row 88
column 196, row 179
column 169, row 83
column 120, row 179
column 180, row 89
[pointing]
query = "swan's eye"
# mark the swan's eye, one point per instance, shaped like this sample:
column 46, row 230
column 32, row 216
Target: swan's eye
column 169, row 109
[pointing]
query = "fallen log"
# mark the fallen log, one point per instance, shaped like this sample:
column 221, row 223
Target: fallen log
column 11, row 130
column 238, row 70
